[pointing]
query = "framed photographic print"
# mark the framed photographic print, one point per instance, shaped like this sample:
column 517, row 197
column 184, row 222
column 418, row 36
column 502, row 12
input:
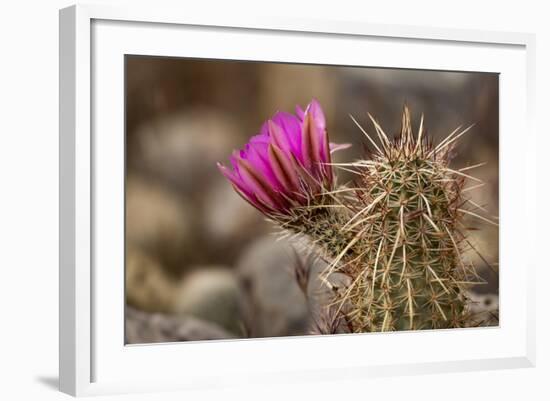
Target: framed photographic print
column 266, row 200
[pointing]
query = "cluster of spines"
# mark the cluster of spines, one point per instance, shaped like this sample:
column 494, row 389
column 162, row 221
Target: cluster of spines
column 397, row 235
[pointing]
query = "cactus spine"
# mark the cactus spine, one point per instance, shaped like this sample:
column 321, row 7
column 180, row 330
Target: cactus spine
column 397, row 235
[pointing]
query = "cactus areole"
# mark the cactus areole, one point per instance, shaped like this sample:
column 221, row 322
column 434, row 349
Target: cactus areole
column 396, row 233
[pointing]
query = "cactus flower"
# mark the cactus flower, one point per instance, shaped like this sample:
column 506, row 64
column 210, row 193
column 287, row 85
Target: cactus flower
column 286, row 164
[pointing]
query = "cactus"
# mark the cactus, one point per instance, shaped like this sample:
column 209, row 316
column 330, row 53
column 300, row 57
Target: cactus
column 397, row 233
column 409, row 271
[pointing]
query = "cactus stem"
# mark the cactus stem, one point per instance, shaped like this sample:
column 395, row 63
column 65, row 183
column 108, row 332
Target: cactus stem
column 396, row 234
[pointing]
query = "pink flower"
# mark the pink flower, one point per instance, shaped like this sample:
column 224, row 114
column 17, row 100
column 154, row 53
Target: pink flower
column 286, row 164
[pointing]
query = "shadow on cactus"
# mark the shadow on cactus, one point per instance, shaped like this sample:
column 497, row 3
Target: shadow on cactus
column 395, row 237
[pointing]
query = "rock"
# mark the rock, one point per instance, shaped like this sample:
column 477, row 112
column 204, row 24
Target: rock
column 277, row 305
column 158, row 222
column 485, row 308
column 307, row 82
column 147, row 285
column 142, row 328
column 213, row 294
column 182, row 149
column 229, row 223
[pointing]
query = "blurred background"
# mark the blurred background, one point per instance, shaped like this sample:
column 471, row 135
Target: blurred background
column 200, row 262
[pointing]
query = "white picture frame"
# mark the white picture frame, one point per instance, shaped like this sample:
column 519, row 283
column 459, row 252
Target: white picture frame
column 93, row 357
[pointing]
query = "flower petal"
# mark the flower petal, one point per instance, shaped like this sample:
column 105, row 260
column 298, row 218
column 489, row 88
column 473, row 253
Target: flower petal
column 239, row 186
column 291, row 126
column 284, row 168
column 259, row 185
column 230, row 175
column 300, row 113
column 279, row 137
column 263, row 137
column 311, row 144
column 252, row 199
column 258, row 158
column 309, row 183
column 318, row 115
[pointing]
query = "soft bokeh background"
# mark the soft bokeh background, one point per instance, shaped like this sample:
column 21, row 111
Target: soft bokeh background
column 200, row 262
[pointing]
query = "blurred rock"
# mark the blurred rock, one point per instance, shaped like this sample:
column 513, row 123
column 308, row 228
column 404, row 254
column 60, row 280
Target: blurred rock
column 142, row 328
column 486, row 236
column 228, row 221
column 147, row 285
column 182, row 148
column 485, row 308
column 485, row 241
column 212, row 293
column 284, row 88
column 158, row 222
column 277, row 305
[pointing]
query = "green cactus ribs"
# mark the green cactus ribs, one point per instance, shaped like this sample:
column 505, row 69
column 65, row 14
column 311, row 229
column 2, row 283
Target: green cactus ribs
column 412, row 274
column 397, row 235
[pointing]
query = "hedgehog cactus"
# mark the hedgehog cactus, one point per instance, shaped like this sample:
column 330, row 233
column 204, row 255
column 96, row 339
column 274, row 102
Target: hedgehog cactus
column 396, row 234
column 409, row 272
